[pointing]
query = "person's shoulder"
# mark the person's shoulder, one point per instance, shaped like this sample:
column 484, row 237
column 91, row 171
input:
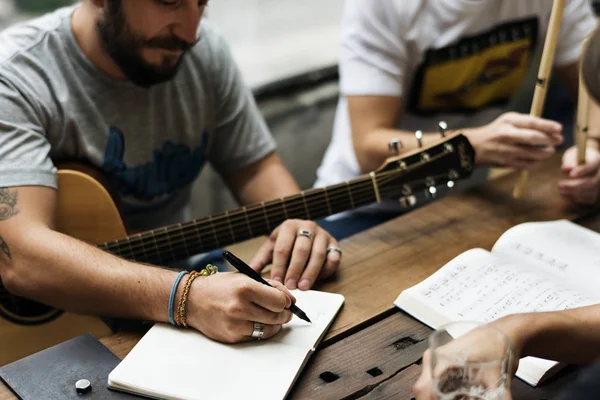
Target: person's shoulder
column 395, row 14
column 211, row 39
column 23, row 37
column 212, row 50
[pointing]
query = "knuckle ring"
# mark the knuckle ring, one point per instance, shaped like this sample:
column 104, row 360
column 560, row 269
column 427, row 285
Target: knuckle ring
column 304, row 232
column 259, row 330
column 334, row 248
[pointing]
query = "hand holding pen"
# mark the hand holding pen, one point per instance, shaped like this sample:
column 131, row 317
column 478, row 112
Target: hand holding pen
column 230, row 308
column 246, row 270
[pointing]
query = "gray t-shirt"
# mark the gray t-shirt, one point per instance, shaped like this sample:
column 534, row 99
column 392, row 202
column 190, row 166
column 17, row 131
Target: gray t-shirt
column 56, row 106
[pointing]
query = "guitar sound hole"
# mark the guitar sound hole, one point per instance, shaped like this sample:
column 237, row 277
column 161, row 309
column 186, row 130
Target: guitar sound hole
column 23, row 311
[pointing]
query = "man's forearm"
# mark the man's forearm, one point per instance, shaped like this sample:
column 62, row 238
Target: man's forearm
column 66, row 273
column 373, row 150
column 571, row 336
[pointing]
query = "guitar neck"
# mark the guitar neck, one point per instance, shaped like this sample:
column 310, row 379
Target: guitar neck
column 177, row 242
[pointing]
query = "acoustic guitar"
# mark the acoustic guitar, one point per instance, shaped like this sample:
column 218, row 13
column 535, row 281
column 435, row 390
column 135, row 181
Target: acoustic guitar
column 87, row 212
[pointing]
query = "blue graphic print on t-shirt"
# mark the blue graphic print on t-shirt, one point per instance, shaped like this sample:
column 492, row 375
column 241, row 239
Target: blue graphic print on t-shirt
column 173, row 167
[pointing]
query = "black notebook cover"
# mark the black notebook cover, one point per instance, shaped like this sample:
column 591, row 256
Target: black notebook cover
column 52, row 373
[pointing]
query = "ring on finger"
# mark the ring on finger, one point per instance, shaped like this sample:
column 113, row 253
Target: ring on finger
column 304, row 232
column 334, row 248
column 259, row 330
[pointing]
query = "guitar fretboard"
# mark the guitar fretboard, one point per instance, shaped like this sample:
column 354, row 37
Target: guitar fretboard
column 180, row 241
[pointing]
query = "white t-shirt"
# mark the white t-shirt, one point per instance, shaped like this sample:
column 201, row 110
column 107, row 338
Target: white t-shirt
column 459, row 61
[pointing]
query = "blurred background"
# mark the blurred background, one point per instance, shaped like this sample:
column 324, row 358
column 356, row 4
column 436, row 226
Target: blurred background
column 287, row 51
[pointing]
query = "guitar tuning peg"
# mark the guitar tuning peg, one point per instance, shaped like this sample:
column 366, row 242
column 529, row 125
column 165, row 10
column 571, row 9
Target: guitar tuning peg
column 442, row 128
column 419, row 136
column 431, row 192
column 408, row 201
column 394, row 145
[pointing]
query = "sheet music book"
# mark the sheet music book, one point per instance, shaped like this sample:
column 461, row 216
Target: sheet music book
column 538, row 266
column 172, row 363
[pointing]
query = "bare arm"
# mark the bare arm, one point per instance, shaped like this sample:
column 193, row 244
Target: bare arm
column 265, row 180
column 41, row 264
column 373, row 120
column 506, row 141
column 571, row 336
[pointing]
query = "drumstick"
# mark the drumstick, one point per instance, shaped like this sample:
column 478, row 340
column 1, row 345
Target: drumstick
column 541, row 87
column 583, row 104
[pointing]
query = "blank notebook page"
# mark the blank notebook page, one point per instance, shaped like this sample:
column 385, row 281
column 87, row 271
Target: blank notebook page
column 171, row 363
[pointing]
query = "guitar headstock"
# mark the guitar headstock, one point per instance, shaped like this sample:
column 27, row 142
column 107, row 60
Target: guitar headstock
column 442, row 163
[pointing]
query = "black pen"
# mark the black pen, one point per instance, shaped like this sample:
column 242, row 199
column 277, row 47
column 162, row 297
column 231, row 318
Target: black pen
column 246, row 270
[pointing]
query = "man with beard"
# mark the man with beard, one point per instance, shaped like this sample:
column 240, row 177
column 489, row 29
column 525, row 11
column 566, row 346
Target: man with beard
column 139, row 90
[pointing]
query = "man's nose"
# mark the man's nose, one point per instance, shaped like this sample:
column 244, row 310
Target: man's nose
column 188, row 22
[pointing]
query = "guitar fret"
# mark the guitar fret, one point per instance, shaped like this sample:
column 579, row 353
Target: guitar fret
column 214, row 231
column 247, row 221
column 174, row 255
column 284, row 209
column 327, row 200
column 350, row 195
column 119, row 251
column 141, row 239
column 133, row 255
column 264, row 208
column 228, row 220
column 185, row 245
column 150, row 236
column 305, row 205
column 198, row 235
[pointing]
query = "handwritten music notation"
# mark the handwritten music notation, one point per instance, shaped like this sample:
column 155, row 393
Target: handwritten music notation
column 566, row 248
column 539, row 256
column 489, row 288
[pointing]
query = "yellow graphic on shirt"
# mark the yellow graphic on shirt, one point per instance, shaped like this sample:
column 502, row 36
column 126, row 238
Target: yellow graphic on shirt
column 475, row 81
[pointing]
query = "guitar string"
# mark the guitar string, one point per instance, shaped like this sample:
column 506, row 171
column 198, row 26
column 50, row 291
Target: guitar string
column 223, row 227
column 225, row 222
column 160, row 248
column 221, row 232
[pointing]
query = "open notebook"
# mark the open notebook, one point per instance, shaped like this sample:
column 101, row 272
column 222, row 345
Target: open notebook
column 539, row 266
column 170, row 363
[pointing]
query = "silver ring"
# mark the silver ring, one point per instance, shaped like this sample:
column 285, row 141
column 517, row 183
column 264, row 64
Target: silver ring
column 259, row 330
column 304, row 232
column 333, row 248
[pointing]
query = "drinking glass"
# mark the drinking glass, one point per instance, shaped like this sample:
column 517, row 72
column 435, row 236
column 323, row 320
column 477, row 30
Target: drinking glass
column 470, row 361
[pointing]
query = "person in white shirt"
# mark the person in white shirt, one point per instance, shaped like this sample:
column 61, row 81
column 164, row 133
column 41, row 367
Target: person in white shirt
column 407, row 65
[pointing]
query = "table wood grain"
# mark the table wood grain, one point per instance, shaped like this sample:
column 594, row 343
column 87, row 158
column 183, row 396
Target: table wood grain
column 381, row 262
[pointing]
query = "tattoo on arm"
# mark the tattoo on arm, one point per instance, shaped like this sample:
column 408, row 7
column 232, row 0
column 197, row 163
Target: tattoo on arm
column 8, row 203
column 4, row 248
column 8, row 208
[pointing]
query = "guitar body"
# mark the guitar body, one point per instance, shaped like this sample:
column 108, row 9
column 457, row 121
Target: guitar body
column 87, row 212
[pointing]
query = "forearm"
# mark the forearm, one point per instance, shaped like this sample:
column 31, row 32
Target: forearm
column 571, row 336
column 373, row 150
column 63, row 272
column 266, row 180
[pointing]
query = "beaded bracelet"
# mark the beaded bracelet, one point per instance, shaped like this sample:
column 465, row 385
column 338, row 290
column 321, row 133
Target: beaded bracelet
column 181, row 317
column 172, row 296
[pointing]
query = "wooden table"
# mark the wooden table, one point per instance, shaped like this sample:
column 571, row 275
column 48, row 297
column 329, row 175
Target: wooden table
column 373, row 350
